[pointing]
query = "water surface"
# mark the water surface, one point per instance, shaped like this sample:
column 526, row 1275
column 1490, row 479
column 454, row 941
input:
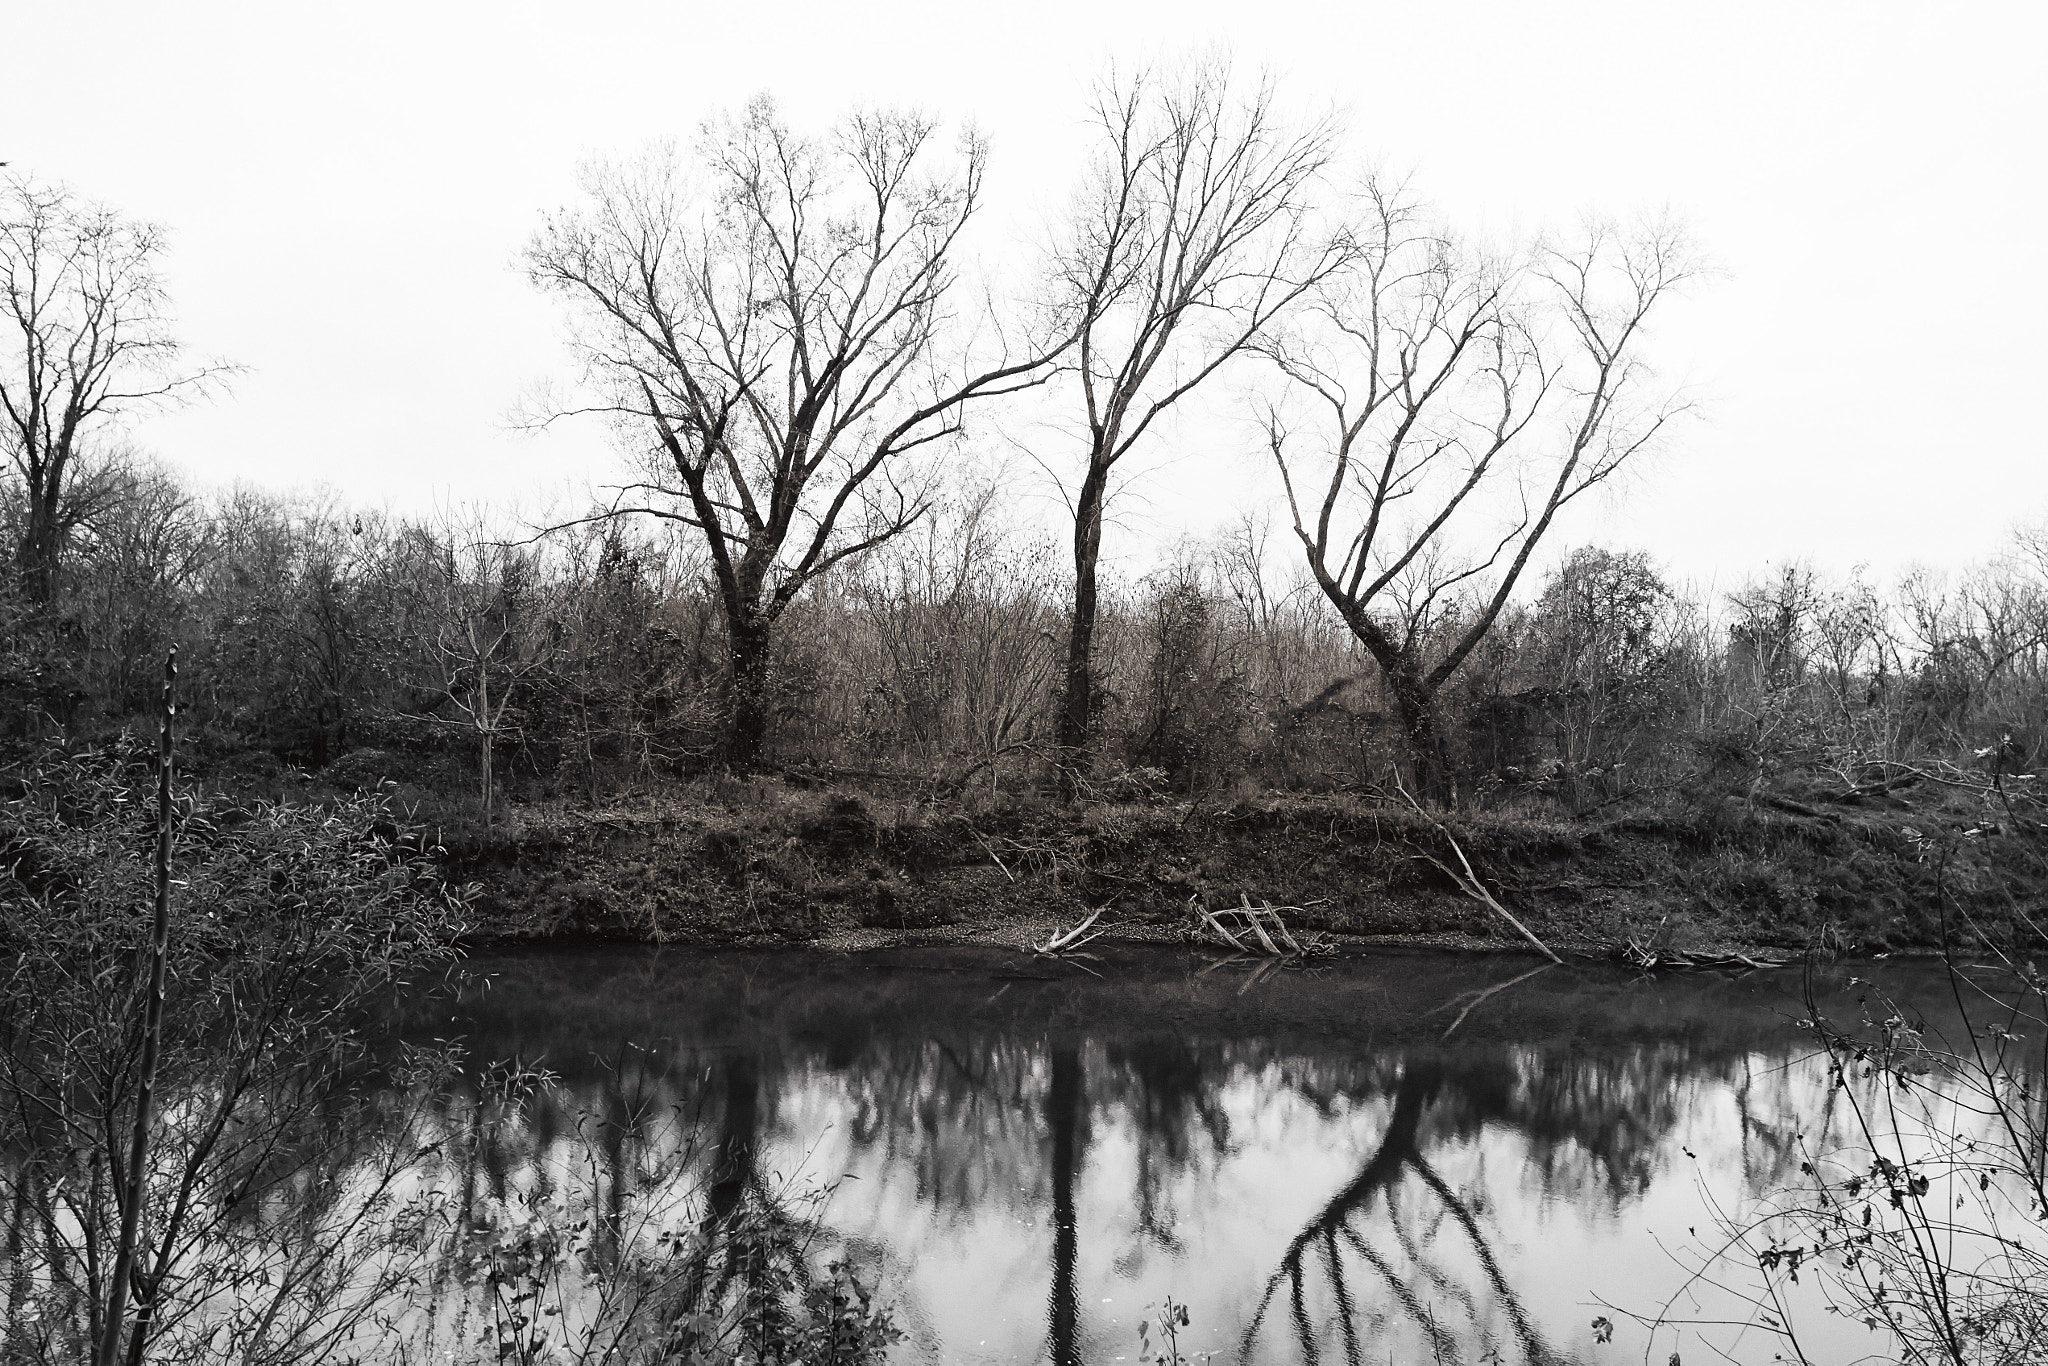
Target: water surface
column 1409, row 1158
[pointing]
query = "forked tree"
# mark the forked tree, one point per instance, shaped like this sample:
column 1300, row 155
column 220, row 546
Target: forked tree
column 1195, row 231
column 1442, row 409
column 775, row 323
column 84, row 337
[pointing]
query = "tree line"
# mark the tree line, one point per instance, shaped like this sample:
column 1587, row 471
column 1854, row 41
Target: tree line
column 595, row 659
column 790, row 341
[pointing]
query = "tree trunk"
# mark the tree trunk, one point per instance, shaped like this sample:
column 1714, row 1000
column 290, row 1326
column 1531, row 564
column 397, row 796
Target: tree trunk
column 36, row 557
column 145, row 1321
column 747, row 689
column 486, row 732
column 1076, row 720
column 484, row 771
column 1422, row 737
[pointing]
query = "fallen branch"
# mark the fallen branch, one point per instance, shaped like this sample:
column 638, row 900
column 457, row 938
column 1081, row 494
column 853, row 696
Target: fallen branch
column 1066, row 941
column 1797, row 808
column 1225, row 935
column 1962, row 780
column 1251, row 918
column 1267, row 909
column 1651, row 958
column 997, row 857
column 1469, row 882
column 1857, row 792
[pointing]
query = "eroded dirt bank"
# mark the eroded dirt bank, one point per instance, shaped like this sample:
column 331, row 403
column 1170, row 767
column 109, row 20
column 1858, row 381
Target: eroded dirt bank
column 852, row 871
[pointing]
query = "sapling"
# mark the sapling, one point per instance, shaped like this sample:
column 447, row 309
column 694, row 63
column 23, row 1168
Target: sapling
column 152, row 1041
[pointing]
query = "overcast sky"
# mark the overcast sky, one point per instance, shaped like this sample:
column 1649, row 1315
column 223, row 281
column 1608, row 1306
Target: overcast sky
column 349, row 187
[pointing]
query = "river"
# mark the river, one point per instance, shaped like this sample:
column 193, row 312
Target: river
column 1408, row 1157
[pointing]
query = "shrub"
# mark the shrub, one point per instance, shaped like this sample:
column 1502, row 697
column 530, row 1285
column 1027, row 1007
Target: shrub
column 289, row 921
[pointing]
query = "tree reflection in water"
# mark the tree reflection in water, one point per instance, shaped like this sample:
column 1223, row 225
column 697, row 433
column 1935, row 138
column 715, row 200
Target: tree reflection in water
column 1168, row 1088
column 1344, row 1226
column 1066, row 1114
column 1059, row 1151
column 961, row 1114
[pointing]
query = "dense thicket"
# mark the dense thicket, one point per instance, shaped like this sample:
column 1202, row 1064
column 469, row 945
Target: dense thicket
column 320, row 638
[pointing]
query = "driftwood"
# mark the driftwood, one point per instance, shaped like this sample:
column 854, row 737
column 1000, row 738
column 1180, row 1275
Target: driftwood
column 1468, row 881
column 1258, row 929
column 1658, row 955
column 1066, row 941
column 1651, row 958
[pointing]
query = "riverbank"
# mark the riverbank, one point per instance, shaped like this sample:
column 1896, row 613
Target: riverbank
column 762, row 861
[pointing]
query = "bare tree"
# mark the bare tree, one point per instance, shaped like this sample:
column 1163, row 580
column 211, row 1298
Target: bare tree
column 1445, row 393
column 494, row 633
column 780, row 330
column 1195, row 231
column 84, row 337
